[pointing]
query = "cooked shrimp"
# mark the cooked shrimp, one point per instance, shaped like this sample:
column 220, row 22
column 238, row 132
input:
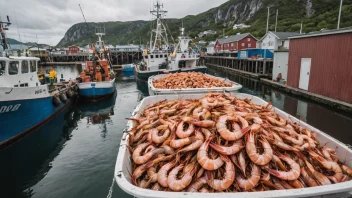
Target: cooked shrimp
column 259, row 159
column 206, row 132
column 156, row 138
column 308, row 180
column 184, row 134
column 198, row 112
column 228, row 177
column 252, row 181
column 162, row 174
column 176, row 184
column 320, row 178
column 330, row 165
column 209, row 102
column 205, row 161
column 298, row 140
column 229, row 150
column 138, row 159
column 347, row 170
column 204, row 190
column 293, row 174
column 281, row 122
column 139, row 171
column 204, row 123
column 156, row 187
column 329, row 154
column 195, row 186
column 199, row 140
column 179, row 143
column 226, row 133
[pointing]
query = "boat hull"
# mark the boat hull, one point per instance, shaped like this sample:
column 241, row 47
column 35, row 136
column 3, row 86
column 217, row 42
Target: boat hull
column 96, row 90
column 20, row 117
column 143, row 76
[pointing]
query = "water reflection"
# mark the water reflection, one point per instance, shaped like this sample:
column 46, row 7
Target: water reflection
column 26, row 162
column 99, row 113
column 127, row 75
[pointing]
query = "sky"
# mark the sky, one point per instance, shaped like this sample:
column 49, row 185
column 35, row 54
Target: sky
column 46, row 21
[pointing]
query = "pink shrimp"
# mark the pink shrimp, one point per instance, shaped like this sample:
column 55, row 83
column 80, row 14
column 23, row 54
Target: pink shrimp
column 293, row 174
column 156, row 138
column 252, row 181
column 162, row 174
column 138, row 159
column 199, row 140
column 229, row 150
column 195, row 186
column 204, row 123
column 259, row 159
column 228, row 177
column 205, row 161
column 184, row 134
column 176, row 184
column 226, row 133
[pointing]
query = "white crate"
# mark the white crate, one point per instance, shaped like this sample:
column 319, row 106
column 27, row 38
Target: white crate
column 155, row 91
column 124, row 167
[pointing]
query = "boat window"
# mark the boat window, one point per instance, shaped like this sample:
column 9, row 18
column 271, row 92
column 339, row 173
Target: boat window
column 156, row 56
column 2, row 67
column 165, row 55
column 146, row 57
column 13, row 67
column 24, row 67
column 33, row 65
column 151, row 56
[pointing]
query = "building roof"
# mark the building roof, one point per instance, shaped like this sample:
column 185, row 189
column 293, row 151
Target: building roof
column 127, row 46
column 322, row 33
column 233, row 38
column 281, row 35
column 285, row 35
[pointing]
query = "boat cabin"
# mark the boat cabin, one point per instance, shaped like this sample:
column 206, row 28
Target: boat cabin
column 156, row 61
column 19, row 72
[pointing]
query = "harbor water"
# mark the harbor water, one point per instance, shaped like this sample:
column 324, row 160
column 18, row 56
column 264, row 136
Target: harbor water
column 74, row 154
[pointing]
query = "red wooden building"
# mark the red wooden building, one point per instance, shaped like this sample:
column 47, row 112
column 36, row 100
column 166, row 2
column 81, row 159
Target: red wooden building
column 321, row 63
column 73, row 49
column 233, row 44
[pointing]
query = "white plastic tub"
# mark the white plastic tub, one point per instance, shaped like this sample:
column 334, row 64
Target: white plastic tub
column 123, row 163
column 155, row 91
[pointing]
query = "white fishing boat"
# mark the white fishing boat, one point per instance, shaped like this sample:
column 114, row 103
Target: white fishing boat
column 123, row 167
column 159, row 59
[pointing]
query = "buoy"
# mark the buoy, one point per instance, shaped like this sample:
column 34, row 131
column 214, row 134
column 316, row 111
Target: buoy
column 69, row 93
column 63, row 97
column 56, row 101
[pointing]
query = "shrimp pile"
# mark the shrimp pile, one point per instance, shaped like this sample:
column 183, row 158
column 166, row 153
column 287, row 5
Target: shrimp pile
column 222, row 143
column 189, row 80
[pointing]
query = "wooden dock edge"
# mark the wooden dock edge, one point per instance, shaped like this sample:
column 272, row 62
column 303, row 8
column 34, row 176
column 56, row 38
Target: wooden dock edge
column 336, row 104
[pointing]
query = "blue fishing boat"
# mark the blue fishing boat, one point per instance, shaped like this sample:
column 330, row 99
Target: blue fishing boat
column 97, row 81
column 26, row 103
column 128, row 68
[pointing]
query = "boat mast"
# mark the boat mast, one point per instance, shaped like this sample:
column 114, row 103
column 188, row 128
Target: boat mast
column 4, row 26
column 159, row 12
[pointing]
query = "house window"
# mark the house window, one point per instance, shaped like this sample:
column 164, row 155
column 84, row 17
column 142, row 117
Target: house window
column 13, row 67
column 24, row 67
column 151, row 56
column 2, row 67
column 232, row 44
column 33, row 65
column 242, row 44
column 165, row 56
column 249, row 45
column 156, row 56
column 248, row 39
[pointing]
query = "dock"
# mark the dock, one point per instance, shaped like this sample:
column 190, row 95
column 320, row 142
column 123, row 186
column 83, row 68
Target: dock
column 255, row 68
column 336, row 104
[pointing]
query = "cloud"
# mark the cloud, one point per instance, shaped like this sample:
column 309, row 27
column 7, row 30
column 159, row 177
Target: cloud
column 48, row 20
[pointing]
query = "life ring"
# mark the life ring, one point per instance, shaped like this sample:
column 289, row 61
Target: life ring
column 63, row 97
column 56, row 101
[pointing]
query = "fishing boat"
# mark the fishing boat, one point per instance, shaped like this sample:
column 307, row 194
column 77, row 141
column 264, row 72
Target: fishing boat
column 128, row 68
column 160, row 58
column 26, row 102
column 97, row 80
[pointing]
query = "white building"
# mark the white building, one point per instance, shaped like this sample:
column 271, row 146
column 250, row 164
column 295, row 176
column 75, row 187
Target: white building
column 210, row 48
column 240, row 26
column 202, row 42
column 280, row 64
column 208, row 32
column 276, row 40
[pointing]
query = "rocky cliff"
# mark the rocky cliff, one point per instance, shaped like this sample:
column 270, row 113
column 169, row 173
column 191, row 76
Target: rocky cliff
column 315, row 14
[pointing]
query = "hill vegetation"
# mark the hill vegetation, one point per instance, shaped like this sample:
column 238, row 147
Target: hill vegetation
column 314, row 14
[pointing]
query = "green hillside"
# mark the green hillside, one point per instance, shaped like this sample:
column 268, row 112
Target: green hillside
column 314, row 14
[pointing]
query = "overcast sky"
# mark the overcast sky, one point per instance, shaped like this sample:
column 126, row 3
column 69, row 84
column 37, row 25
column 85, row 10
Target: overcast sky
column 50, row 19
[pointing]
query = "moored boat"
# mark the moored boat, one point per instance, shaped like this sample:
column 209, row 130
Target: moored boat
column 97, row 80
column 161, row 59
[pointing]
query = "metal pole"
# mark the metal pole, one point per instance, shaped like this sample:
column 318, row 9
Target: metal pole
column 267, row 22
column 277, row 13
column 338, row 22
